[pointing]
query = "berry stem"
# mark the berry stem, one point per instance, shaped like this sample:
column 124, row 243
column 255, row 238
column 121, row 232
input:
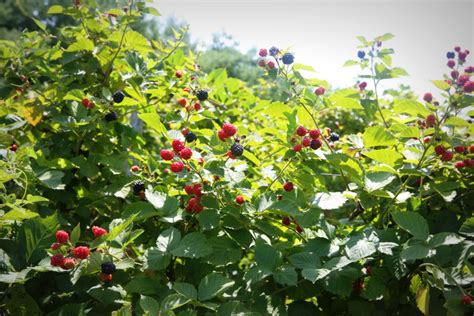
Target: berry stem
column 372, row 70
column 279, row 175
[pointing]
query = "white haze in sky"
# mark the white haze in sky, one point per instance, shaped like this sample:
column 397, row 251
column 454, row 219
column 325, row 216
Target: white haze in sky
column 322, row 34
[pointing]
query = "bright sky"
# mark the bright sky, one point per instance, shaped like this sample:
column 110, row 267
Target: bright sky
column 323, row 33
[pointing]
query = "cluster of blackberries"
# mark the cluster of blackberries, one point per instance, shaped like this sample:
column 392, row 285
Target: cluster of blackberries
column 460, row 150
column 313, row 141
column 269, row 58
column 461, row 81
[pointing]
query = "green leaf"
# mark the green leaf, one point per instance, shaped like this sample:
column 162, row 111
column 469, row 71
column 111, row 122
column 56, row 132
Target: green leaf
column 117, row 230
column 107, row 295
column 305, row 260
column 388, row 156
column 193, row 245
column 82, row 44
column 411, row 107
column 52, row 179
column 186, row 289
column 168, row 240
column 423, row 299
column 456, row 121
column 374, row 288
column 329, row 200
column 286, row 275
column 413, row 223
column 467, row 228
column 441, row 84
column 378, row 136
column 340, row 282
column 75, row 234
column 153, row 121
column 377, row 180
column 303, row 67
column 358, row 247
column 414, row 252
column 208, row 219
column 55, row 9
column 343, row 102
column 149, row 305
column 171, row 302
column 267, row 257
column 212, row 285
column 155, row 259
column 444, row 239
column 385, row 37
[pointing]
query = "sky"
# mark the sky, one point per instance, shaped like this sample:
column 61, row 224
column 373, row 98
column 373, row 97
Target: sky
column 322, row 34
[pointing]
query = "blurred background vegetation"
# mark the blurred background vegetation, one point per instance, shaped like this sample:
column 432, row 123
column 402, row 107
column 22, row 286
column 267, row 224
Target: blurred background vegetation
column 16, row 17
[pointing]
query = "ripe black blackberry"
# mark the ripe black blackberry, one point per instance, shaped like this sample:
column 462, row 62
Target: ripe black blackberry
column 138, row 187
column 334, row 137
column 316, row 143
column 190, row 137
column 288, row 58
column 108, row 267
column 111, row 116
column 202, row 95
column 237, row 149
column 118, row 96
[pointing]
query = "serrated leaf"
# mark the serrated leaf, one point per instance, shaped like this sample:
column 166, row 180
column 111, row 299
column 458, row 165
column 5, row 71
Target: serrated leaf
column 76, row 234
column 212, row 285
column 286, row 275
column 52, row 179
column 358, row 247
column 329, row 200
column 168, row 240
column 305, row 260
column 153, row 121
column 388, row 156
column 186, row 289
column 193, row 245
column 467, row 228
column 267, row 257
column 413, row 223
column 149, row 305
column 377, row 180
column 378, row 136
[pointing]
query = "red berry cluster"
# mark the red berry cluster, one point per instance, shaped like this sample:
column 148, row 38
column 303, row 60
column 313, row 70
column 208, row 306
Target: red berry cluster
column 264, row 60
column 460, row 150
column 312, row 140
column 228, row 130
column 466, row 300
column 58, row 259
column 88, row 104
column 98, row 231
column 62, row 255
column 460, row 81
column 196, row 106
column 183, row 152
column 194, row 203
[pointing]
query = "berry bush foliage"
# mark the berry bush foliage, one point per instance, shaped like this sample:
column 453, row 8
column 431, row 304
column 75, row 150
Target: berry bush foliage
column 132, row 183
